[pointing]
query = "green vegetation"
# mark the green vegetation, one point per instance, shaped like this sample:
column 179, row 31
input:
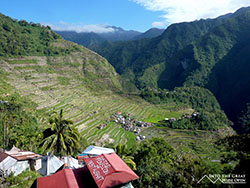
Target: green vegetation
column 25, row 179
column 121, row 150
column 22, row 61
column 159, row 166
column 239, row 153
column 20, row 38
column 195, row 97
column 63, row 80
column 212, row 53
column 87, row 89
column 61, row 138
column 210, row 116
column 244, row 119
column 19, row 125
column 202, row 121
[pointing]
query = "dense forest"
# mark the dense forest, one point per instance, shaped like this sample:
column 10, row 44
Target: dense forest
column 209, row 115
column 210, row 53
column 20, row 38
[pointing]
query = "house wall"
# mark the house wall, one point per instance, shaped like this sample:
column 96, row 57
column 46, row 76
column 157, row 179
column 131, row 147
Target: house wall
column 38, row 164
column 19, row 167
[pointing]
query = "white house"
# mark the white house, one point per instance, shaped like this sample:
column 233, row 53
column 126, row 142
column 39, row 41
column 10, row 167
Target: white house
column 17, row 161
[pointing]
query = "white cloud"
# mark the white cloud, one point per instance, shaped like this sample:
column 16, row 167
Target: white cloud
column 158, row 24
column 174, row 11
column 96, row 28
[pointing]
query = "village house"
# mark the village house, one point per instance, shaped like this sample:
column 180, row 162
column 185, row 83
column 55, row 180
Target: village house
column 102, row 126
column 132, row 125
column 16, row 161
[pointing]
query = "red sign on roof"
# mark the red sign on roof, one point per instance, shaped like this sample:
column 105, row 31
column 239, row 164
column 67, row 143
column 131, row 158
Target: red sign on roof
column 109, row 170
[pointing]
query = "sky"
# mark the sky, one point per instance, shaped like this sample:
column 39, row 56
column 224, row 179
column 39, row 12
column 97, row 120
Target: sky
column 96, row 15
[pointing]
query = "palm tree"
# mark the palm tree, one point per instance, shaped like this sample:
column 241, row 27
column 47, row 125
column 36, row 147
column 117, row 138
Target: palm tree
column 60, row 138
column 121, row 150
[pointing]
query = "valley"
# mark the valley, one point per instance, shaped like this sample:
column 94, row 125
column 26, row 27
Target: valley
column 179, row 81
column 56, row 83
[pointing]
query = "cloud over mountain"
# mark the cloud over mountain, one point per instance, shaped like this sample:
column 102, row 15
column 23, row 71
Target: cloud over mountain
column 174, row 11
column 96, row 28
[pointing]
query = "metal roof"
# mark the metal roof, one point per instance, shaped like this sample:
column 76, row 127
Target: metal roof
column 7, row 163
column 95, row 150
column 3, row 156
column 109, row 170
column 22, row 155
column 50, row 164
column 71, row 162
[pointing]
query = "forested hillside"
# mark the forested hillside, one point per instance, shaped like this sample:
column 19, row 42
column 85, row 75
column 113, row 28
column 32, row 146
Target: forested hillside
column 210, row 53
column 92, row 39
column 20, row 38
column 140, row 56
column 218, row 61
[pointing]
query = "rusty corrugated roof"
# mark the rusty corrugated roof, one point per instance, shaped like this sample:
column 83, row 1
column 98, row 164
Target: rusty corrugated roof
column 22, row 155
column 25, row 156
column 3, row 156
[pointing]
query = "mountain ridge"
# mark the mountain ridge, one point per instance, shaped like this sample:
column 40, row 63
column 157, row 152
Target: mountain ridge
column 93, row 40
column 186, row 54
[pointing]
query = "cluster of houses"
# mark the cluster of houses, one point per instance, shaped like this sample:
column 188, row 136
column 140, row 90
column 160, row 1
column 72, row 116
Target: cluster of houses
column 96, row 167
column 193, row 115
column 130, row 124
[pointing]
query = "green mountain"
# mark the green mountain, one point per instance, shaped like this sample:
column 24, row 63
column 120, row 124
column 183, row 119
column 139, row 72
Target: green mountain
column 55, row 75
column 85, row 39
column 151, row 33
column 218, row 61
column 208, row 53
column 42, row 74
column 138, row 56
column 92, row 39
column 20, row 38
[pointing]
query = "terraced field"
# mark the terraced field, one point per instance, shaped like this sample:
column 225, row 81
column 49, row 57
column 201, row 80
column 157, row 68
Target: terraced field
column 56, row 83
column 199, row 141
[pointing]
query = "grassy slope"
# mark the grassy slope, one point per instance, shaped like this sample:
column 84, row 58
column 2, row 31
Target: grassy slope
column 58, row 82
column 198, row 142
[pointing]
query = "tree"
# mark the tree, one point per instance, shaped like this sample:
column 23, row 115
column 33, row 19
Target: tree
column 238, row 145
column 60, row 138
column 18, row 124
column 121, row 150
column 154, row 158
column 244, row 119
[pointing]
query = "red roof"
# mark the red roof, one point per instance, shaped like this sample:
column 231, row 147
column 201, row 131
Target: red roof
column 61, row 179
column 109, row 170
column 67, row 178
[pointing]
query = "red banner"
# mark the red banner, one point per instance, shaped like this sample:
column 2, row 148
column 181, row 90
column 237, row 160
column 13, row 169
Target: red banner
column 99, row 168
